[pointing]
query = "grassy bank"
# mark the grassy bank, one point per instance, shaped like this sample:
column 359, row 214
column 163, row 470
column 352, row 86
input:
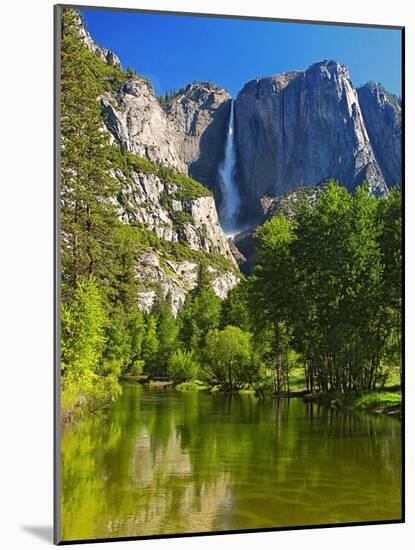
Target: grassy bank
column 386, row 402
column 380, row 402
column 189, row 385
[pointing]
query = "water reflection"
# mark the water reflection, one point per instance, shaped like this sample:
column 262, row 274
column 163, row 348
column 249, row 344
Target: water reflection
column 171, row 462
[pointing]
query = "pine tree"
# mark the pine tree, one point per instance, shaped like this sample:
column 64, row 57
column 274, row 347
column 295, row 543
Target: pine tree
column 94, row 244
column 88, row 216
column 272, row 297
column 150, row 346
column 200, row 313
column 167, row 334
column 87, row 382
column 136, row 328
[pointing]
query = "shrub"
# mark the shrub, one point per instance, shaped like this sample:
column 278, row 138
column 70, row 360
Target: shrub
column 183, row 366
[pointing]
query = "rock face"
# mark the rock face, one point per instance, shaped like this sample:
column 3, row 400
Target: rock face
column 183, row 217
column 176, row 281
column 185, row 131
column 245, row 244
column 138, row 123
column 292, row 131
column 106, row 55
column 147, row 200
column 382, row 113
column 287, row 204
column 205, row 222
column 300, row 128
column 199, row 115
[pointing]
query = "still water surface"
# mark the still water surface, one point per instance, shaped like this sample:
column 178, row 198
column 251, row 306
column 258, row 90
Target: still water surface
column 164, row 461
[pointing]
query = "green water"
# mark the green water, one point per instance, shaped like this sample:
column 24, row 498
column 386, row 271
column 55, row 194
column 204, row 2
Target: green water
column 164, row 461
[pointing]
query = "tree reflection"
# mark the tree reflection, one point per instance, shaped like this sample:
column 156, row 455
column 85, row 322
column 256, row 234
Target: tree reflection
column 174, row 462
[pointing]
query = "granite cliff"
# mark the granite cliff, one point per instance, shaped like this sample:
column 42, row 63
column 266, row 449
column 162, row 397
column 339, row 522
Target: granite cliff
column 138, row 123
column 199, row 115
column 291, row 130
column 382, row 113
column 152, row 152
column 182, row 215
column 301, row 128
column 105, row 55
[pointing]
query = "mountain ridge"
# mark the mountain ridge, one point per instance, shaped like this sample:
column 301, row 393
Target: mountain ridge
column 171, row 217
column 292, row 129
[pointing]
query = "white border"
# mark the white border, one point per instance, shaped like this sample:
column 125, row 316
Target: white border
column 27, row 283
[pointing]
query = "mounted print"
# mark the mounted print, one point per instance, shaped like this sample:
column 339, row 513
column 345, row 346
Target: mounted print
column 228, row 274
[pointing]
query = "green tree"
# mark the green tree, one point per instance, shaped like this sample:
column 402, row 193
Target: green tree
column 235, row 308
column 150, row 346
column 86, row 381
column 272, row 295
column 94, row 243
column 327, row 285
column 182, row 365
column 339, row 317
column 390, row 240
column 88, row 215
column 118, row 353
column 228, row 358
column 136, row 329
column 167, row 334
column 201, row 312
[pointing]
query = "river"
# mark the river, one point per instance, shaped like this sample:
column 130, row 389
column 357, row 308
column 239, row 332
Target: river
column 165, row 461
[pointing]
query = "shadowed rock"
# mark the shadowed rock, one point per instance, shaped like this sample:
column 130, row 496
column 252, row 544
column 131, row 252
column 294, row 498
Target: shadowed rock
column 382, row 113
column 301, row 128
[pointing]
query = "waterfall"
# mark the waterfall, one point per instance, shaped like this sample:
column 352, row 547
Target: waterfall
column 231, row 200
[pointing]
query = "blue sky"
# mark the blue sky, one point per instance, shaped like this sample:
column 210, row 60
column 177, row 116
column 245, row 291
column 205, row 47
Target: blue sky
column 174, row 50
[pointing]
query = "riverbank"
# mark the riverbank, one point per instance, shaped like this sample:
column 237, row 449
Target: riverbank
column 189, row 385
column 385, row 402
column 380, row 402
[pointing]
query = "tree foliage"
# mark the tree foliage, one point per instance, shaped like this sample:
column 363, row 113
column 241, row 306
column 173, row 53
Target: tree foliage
column 182, row 365
column 328, row 283
column 228, row 358
column 326, row 290
column 88, row 380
